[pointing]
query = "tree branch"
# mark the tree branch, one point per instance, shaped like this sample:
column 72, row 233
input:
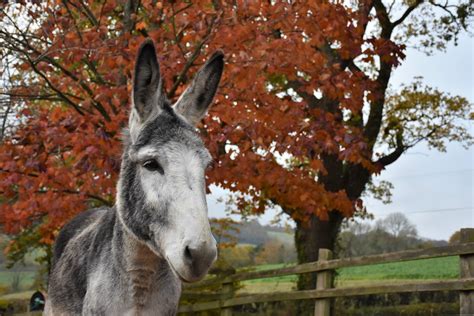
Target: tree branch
column 4, row 122
column 87, row 12
column 129, row 8
column 191, row 60
column 384, row 19
column 407, row 13
column 392, row 157
column 60, row 94
column 15, row 44
column 445, row 8
column 91, row 196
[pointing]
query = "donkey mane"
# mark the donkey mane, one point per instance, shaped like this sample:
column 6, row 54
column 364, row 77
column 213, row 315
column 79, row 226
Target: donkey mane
column 132, row 258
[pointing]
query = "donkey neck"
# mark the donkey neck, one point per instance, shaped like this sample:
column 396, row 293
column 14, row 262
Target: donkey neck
column 137, row 255
column 141, row 268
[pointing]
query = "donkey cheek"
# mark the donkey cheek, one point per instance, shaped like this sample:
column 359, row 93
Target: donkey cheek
column 152, row 188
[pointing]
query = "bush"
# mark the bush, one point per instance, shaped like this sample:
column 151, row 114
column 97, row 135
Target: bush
column 13, row 306
column 275, row 251
column 238, row 256
column 397, row 299
column 421, row 309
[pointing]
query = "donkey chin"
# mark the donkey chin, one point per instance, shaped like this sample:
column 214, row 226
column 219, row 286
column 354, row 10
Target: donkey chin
column 190, row 260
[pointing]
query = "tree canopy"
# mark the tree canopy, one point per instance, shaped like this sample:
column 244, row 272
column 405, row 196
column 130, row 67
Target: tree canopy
column 304, row 116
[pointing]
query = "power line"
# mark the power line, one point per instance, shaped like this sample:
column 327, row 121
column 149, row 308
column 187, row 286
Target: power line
column 430, row 174
column 454, row 209
column 441, row 210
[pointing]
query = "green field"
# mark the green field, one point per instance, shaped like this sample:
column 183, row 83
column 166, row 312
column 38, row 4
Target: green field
column 428, row 269
column 437, row 268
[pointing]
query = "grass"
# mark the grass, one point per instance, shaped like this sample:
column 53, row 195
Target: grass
column 435, row 268
column 428, row 269
column 270, row 267
column 25, row 295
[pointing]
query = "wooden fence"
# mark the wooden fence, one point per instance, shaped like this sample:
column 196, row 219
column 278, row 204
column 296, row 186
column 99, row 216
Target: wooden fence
column 226, row 298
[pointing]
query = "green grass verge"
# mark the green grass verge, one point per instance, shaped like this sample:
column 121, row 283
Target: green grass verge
column 420, row 309
column 435, row 268
column 428, row 269
column 284, row 279
column 26, row 295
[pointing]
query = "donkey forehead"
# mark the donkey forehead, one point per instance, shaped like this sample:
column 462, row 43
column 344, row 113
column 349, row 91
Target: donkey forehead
column 169, row 136
column 173, row 151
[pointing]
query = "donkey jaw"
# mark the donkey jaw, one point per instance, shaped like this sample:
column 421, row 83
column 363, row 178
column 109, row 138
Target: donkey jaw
column 186, row 276
column 177, row 274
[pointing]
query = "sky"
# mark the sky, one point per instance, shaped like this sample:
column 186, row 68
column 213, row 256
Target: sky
column 434, row 190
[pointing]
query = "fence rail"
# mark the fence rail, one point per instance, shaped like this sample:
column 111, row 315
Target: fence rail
column 410, row 255
column 325, row 267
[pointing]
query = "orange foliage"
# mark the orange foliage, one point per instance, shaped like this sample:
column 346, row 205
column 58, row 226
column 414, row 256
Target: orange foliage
column 64, row 154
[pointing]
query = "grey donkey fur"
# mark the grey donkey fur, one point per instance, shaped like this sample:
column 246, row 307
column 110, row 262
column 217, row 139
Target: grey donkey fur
column 131, row 259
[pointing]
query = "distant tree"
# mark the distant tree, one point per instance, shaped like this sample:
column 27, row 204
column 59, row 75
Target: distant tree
column 455, row 237
column 394, row 233
column 275, row 251
column 359, row 228
column 225, row 231
column 251, row 232
column 398, row 225
column 238, row 256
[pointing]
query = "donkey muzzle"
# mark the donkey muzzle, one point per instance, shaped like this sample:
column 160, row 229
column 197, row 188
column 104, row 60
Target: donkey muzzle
column 198, row 258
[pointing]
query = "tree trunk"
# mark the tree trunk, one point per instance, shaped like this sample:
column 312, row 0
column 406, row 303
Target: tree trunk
column 309, row 238
column 314, row 234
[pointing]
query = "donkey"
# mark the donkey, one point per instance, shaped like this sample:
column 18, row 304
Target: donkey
column 132, row 258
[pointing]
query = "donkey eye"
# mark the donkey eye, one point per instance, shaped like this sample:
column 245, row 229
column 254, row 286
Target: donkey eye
column 153, row 165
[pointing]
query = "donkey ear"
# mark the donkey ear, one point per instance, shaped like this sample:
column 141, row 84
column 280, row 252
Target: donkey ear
column 194, row 102
column 146, row 82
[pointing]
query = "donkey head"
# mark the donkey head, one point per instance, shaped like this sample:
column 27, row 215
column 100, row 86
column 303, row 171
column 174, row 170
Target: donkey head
column 161, row 191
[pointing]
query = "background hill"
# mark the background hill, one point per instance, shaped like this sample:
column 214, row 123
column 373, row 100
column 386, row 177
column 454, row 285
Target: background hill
column 256, row 244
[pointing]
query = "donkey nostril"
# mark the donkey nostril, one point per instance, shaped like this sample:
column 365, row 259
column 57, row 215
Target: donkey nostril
column 187, row 253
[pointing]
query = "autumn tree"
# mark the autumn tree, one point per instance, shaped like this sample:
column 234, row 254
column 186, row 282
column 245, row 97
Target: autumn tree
column 303, row 119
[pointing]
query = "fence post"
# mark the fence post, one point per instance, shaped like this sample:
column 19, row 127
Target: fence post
column 324, row 280
column 228, row 291
column 466, row 298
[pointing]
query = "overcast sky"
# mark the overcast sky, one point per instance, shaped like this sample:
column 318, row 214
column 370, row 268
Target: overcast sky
column 434, row 190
